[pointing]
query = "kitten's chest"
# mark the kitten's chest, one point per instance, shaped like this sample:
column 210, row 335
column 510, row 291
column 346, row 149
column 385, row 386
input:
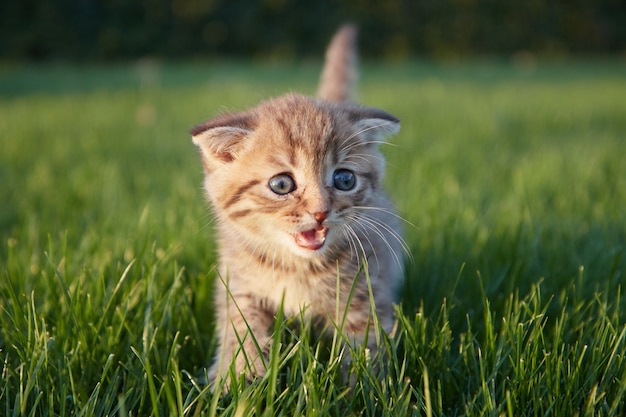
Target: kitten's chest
column 295, row 287
column 294, row 293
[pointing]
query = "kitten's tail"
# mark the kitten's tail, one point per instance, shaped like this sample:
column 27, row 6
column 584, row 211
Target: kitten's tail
column 340, row 68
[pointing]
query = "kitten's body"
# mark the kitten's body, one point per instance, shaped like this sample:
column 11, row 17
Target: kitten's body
column 295, row 185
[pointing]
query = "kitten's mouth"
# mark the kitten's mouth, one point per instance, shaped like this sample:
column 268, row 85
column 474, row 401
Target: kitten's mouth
column 312, row 239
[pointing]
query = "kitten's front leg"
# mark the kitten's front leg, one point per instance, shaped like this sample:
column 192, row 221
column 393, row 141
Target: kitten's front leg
column 242, row 325
column 360, row 328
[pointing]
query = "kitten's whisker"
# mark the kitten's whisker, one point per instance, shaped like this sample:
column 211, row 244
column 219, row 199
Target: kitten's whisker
column 347, row 238
column 357, row 240
column 364, row 234
column 366, row 142
column 212, row 219
column 351, row 242
column 361, row 157
column 350, row 146
column 376, row 226
column 204, row 227
column 397, row 236
column 390, row 212
column 364, row 130
column 364, row 157
column 379, row 227
column 386, row 242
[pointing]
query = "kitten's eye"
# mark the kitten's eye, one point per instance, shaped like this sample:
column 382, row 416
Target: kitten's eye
column 344, row 179
column 282, row 184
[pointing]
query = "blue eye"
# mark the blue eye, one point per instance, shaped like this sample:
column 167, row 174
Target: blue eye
column 344, row 179
column 282, row 184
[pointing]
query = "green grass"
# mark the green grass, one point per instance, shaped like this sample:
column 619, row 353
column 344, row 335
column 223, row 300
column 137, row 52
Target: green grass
column 514, row 178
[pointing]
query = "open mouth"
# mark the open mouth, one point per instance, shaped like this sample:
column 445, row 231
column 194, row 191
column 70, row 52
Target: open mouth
column 312, row 239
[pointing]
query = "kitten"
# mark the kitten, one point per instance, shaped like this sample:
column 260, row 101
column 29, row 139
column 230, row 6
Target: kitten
column 295, row 186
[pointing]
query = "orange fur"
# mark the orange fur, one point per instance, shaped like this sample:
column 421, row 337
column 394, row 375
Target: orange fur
column 295, row 185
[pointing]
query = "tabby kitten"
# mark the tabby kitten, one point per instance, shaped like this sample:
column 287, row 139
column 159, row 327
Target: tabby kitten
column 295, row 186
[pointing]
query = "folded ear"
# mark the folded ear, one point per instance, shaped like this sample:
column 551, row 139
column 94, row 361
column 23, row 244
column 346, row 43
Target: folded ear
column 221, row 139
column 372, row 123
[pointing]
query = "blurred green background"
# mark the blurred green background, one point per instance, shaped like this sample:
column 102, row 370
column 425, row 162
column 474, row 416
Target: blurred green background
column 88, row 30
column 511, row 169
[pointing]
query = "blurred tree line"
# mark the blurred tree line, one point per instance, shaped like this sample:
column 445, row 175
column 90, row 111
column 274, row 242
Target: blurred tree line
column 121, row 29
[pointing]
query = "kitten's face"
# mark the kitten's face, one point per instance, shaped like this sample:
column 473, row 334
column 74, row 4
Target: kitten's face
column 292, row 174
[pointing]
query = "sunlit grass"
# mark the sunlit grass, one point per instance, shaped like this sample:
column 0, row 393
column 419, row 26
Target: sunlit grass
column 513, row 180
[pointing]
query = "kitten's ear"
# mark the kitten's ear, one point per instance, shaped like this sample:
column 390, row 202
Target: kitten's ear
column 373, row 123
column 221, row 139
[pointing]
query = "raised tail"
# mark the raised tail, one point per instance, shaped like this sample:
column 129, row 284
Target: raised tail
column 340, row 67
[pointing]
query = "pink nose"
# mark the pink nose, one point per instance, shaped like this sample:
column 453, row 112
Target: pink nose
column 320, row 216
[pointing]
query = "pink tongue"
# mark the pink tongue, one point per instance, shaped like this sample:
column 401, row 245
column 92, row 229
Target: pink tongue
column 312, row 239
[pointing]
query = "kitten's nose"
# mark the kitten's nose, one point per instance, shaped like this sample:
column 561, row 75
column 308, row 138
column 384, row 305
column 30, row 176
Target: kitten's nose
column 320, row 216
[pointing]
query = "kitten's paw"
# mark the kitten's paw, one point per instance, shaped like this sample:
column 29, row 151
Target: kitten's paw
column 220, row 374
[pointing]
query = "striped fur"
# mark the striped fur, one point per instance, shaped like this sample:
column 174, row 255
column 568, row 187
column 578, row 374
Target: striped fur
column 262, row 260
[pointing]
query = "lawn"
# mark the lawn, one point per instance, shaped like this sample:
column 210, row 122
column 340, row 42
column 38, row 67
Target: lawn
column 512, row 180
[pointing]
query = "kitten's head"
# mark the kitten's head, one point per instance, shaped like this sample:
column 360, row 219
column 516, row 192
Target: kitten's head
column 289, row 174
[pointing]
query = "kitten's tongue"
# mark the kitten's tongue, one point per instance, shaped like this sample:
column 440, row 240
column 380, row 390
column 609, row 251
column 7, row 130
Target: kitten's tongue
column 312, row 239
